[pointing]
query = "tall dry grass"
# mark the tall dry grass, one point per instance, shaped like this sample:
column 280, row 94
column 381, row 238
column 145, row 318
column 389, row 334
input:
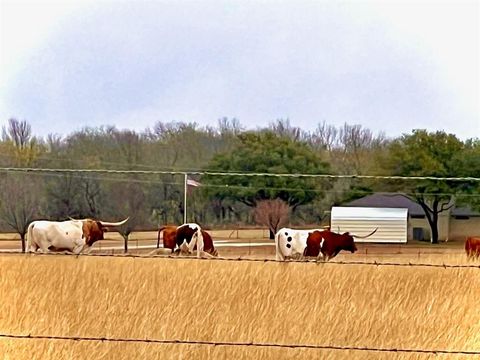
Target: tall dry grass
column 189, row 299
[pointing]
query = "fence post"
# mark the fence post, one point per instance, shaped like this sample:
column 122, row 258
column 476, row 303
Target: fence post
column 185, row 198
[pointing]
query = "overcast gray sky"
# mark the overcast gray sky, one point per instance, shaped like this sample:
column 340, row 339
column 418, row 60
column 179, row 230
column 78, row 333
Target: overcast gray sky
column 389, row 66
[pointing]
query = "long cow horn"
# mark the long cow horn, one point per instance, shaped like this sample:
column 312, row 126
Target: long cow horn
column 364, row 237
column 104, row 223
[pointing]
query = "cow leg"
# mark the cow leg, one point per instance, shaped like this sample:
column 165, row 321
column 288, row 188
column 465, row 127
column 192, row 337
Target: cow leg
column 335, row 253
column 88, row 249
column 321, row 256
column 205, row 255
column 32, row 249
column 200, row 246
column 78, row 249
column 184, row 248
column 192, row 244
column 161, row 251
column 43, row 251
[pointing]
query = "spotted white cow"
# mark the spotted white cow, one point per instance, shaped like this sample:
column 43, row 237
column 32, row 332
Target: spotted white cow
column 320, row 243
column 291, row 243
column 71, row 235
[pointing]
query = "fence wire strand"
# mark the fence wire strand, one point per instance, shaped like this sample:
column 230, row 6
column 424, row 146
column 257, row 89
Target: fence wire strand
column 242, row 344
column 261, row 260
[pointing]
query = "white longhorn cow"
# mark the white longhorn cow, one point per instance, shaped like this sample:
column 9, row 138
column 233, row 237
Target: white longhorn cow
column 71, row 235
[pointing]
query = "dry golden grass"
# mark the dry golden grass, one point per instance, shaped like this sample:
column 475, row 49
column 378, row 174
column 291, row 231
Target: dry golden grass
column 189, row 299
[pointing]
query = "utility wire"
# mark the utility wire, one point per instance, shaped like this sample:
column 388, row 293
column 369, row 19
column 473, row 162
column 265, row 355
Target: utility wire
column 213, row 173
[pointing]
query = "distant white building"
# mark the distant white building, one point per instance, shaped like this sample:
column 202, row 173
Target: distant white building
column 391, row 223
column 454, row 224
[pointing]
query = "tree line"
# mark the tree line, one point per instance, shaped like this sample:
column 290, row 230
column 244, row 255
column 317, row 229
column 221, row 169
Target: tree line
column 154, row 199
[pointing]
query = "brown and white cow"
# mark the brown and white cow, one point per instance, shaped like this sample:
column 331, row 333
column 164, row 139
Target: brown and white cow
column 472, row 247
column 71, row 235
column 291, row 243
column 327, row 244
column 177, row 235
column 169, row 236
column 321, row 243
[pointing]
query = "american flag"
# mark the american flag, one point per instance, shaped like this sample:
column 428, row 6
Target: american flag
column 191, row 182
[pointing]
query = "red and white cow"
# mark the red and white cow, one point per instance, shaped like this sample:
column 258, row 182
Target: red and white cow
column 323, row 244
column 472, row 247
column 327, row 244
column 184, row 233
column 169, row 236
column 291, row 243
column 71, row 235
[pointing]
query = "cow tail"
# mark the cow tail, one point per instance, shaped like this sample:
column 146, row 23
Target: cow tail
column 278, row 253
column 29, row 237
column 470, row 248
column 158, row 236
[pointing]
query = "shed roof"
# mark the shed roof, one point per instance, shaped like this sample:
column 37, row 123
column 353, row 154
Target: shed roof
column 396, row 200
column 389, row 200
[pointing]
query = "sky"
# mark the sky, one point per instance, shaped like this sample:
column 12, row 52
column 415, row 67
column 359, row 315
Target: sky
column 390, row 66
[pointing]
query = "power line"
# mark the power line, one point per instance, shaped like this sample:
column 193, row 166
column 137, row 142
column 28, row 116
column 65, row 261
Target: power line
column 238, row 343
column 213, row 173
column 234, row 187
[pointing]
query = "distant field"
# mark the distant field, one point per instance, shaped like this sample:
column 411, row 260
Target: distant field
column 406, row 307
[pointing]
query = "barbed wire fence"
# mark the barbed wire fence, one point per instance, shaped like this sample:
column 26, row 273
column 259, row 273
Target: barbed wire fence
column 239, row 344
column 254, row 260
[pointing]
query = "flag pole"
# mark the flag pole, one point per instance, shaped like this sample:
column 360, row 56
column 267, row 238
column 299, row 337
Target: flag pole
column 185, row 199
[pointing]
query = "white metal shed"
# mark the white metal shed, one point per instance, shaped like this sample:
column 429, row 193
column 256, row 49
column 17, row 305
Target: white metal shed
column 392, row 223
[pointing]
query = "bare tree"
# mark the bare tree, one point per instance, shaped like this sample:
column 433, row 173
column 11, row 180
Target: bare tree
column 64, row 195
column 282, row 127
column 355, row 148
column 25, row 147
column 19, row 132
column 93, row 196
column 128, row 200
column 129, row 145
column 272, row 213
column 54, row 143
column 19, row 203
column 324, row 137
column 229, row 126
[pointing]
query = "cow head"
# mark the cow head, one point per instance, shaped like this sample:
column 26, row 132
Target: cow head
column 93, row 230
column 349, row 242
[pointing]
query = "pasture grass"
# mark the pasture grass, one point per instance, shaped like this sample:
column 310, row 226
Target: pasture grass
column 199, row 300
